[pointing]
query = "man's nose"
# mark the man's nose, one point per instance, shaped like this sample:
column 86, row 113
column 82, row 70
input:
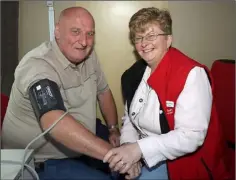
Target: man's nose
column 83, row 40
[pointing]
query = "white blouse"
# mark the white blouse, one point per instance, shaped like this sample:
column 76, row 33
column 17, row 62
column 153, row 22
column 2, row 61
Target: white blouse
column 192, row 116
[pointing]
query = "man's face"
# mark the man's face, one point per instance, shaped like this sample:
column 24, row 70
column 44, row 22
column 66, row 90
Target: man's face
column 152, row 44
column 75, row 37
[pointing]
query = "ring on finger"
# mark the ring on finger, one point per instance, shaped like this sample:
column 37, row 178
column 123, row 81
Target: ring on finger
column 122, row 163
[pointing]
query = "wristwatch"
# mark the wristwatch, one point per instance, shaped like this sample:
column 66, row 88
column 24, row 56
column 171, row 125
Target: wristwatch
column 111, row 127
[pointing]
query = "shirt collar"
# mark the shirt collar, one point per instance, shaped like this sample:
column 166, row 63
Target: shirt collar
column 61, row 58
column 146, row 74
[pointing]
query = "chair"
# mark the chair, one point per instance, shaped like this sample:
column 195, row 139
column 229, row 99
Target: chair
column 4, row 103
column 223, row 72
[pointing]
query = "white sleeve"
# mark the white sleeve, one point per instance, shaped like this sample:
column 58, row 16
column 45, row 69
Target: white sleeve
column 192, row 116
column 128, row 132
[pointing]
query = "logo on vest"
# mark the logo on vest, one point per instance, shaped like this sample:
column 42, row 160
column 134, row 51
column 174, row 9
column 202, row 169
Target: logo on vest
column 170, row 105
column 169, row 111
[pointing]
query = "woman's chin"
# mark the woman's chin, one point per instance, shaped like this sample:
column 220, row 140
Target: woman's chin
column 148, row 60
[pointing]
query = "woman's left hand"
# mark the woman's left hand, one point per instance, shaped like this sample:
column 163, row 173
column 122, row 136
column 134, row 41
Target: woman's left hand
column 122, row 158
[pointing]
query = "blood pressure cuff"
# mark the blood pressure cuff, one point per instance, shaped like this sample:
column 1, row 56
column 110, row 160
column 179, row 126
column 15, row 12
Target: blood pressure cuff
column 45, row 96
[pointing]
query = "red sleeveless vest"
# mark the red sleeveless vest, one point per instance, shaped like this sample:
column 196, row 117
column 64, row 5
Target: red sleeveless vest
column 208, row 161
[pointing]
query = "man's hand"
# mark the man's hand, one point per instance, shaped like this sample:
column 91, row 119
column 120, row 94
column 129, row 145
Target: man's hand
column 114, row 137
column 122, row 158
column 134, row 171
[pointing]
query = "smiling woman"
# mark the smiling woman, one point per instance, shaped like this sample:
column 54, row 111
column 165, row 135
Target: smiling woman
column 168, row 107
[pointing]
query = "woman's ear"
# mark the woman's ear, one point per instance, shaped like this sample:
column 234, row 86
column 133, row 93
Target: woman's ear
column 169, row 41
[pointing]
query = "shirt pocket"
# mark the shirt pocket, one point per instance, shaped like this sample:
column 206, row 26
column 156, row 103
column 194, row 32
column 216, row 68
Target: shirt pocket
column 91, row 84
column 76, row 94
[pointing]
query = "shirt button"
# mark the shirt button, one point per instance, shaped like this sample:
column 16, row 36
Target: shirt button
column 133, row 113
column 140, row 100
column 160, row 111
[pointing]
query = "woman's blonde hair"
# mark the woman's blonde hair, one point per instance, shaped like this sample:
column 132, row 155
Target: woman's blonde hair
column 139, row 21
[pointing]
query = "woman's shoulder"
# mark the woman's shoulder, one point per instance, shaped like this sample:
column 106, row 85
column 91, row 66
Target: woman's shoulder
column 138, row 67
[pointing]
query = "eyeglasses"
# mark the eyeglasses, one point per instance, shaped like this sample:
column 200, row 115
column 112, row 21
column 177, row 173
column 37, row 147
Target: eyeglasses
column 149, row 37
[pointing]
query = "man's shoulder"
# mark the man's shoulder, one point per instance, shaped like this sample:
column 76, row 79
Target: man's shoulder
column 35, row 65
column 40, row 58
column 40, row 52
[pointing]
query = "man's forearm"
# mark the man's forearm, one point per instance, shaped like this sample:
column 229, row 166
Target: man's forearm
column 108, row 108
column 74, row 135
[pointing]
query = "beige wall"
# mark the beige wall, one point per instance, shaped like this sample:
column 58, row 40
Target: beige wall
column 33, row 23
column 203, row 30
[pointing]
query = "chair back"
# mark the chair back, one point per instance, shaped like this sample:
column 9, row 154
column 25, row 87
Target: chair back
column 4, row 103
column 223, row 72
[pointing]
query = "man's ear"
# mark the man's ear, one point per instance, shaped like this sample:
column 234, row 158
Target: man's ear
column 57, row 31
column 169, row 41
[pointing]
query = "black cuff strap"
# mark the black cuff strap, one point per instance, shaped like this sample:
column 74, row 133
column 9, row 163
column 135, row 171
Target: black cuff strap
column 45, row 96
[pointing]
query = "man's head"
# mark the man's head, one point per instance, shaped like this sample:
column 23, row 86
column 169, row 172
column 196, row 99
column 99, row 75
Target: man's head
column 74, row 33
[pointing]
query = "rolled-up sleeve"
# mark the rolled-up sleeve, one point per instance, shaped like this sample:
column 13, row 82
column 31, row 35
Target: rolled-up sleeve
column 192, row 116
column 27, row 75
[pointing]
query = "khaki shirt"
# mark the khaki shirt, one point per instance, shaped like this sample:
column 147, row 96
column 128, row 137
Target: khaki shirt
column 79, row 86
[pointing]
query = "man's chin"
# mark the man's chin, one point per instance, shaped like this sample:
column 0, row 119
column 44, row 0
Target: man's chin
column 79, row 60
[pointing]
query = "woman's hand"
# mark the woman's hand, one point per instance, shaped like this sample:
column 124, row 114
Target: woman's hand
column 122, row 158
column 134, row 171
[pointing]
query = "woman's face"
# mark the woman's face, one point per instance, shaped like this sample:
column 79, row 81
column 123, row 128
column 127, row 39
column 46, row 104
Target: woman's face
column 152, row 44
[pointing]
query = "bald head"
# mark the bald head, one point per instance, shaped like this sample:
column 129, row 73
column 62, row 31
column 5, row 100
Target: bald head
column 74, row 33
column 73, row 12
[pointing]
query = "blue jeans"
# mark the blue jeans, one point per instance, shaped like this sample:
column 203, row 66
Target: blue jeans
column 158, row 172
column 64, row 169
column 84, row 168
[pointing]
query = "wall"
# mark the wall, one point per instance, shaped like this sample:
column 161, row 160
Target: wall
column 9, row 41
column 203, row 30
column 112, row 43
column 33, row 23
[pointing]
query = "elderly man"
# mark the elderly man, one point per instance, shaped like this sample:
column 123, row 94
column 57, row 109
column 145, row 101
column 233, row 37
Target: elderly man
column 58, row 77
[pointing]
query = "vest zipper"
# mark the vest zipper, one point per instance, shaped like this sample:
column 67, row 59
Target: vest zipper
column 207, row 169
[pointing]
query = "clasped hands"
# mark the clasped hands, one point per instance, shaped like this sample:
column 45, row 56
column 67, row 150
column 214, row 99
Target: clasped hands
column 125, row 159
